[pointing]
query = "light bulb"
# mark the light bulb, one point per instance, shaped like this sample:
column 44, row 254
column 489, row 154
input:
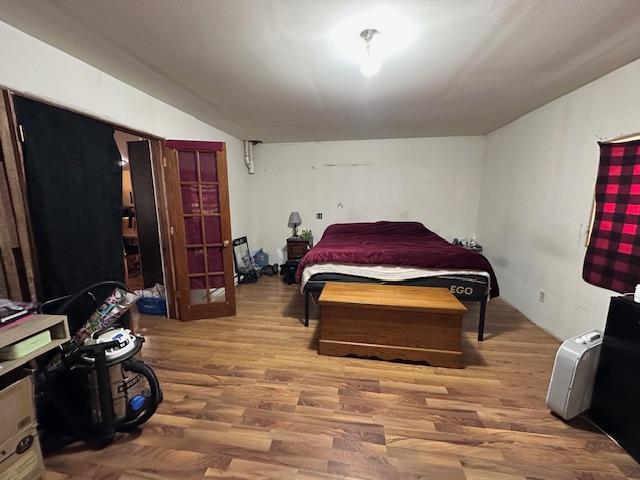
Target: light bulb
column 370, row 62
column 383, row 29
column 369, row 66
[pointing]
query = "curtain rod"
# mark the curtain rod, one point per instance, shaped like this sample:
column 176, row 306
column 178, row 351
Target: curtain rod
column 624, row 138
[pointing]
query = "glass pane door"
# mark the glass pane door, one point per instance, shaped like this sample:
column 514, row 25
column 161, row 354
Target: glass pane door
column 201, row 217
column 204, row 265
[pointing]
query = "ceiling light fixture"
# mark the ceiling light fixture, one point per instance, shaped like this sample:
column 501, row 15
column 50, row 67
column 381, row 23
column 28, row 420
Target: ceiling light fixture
column 355, row 40
column 370, row 63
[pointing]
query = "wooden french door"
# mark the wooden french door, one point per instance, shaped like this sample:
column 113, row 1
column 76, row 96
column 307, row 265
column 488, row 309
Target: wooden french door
column 200, row 227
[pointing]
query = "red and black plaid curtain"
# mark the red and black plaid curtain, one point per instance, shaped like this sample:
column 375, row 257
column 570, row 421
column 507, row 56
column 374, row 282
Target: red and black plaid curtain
column 613, row 255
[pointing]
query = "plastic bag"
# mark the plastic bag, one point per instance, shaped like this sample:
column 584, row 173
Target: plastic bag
column 114, row 306
column 157, row 291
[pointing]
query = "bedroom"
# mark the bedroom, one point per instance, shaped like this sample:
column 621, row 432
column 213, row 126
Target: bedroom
column 483, row 124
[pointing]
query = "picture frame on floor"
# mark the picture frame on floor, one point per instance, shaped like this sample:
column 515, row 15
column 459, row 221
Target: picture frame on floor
column 245, row 268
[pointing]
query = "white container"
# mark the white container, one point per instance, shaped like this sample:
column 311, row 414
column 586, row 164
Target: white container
column 574, row 372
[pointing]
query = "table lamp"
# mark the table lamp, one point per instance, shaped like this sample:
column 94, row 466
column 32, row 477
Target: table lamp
column 294, row 221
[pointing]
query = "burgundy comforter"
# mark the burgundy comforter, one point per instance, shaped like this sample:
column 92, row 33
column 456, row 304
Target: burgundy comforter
column 407, row 244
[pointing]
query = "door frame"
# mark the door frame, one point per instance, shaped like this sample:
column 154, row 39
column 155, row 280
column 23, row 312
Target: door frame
column 12, row 150
column 16, row 246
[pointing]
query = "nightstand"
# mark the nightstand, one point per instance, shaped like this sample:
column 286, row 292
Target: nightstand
column 297, row 247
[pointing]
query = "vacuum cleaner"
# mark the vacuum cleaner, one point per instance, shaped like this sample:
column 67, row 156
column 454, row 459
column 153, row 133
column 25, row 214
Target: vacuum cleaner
column 97, row 384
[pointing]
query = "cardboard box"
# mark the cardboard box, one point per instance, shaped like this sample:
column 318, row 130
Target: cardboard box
column 17, row 410
column 21, row 457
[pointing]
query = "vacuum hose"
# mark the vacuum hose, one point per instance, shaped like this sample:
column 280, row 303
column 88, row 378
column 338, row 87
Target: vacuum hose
column 145, row 410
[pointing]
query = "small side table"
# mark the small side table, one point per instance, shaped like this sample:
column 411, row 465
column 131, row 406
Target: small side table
column 297, row 247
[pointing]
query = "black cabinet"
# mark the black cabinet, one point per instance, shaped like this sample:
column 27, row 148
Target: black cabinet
column 615, row 406
column 289, row 271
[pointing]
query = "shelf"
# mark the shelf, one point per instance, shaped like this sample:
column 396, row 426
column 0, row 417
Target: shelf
column 25, row 328
column 9, row 365
column 130, row 232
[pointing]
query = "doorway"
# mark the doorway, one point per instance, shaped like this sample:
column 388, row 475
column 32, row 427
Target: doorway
column 142, row 254
column 79, row 222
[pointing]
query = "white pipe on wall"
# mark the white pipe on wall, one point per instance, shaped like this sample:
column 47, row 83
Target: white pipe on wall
column 248, row 156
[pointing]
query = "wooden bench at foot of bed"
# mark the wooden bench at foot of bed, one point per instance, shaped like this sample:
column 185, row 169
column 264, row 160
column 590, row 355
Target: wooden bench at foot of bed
column 391, row 323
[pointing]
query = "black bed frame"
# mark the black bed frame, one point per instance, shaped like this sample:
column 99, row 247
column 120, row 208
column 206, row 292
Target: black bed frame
column 470, row 288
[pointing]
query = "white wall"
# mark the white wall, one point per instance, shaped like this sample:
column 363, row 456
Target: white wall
column 33, row 67
column 432, row 180
column 537, row 178
column 538, row 182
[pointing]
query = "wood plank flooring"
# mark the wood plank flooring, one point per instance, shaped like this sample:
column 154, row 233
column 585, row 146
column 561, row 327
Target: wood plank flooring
column 248, row 398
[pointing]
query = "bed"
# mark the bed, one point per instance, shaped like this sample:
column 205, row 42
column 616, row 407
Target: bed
column 398, row 253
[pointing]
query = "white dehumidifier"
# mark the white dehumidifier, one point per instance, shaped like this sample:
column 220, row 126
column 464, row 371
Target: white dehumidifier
column 574, row 372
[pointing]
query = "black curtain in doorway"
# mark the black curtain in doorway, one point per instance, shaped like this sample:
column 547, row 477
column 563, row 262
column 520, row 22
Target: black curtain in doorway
column 74, row 189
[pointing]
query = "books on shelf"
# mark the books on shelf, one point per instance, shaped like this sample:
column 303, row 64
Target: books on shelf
column 11, row 311
column 26, row 346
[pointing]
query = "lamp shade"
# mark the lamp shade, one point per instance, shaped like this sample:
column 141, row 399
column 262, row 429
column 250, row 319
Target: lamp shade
column 294, row 220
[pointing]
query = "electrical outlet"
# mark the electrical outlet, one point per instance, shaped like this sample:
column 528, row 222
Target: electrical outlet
column 541, row 296
column 318, row 216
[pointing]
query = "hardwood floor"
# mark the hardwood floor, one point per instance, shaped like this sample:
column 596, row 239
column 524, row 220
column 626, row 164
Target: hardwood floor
column 248, row 398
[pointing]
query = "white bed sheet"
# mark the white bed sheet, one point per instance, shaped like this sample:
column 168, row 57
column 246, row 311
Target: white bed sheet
column 385, row 273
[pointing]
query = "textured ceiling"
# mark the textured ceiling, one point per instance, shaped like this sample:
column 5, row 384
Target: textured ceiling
column 267, row 69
